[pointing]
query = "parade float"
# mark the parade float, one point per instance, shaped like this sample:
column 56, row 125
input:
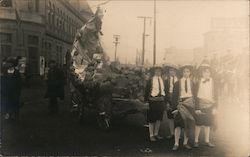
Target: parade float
column 96, row 84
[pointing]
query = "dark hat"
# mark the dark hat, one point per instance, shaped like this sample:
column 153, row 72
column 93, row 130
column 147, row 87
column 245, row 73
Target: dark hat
column 169, row 66
column 11, row 61
column 188, row 66
column 156, row 67
column 5, row 66
column 204, row 66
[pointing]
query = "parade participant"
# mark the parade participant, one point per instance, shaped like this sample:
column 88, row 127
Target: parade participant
column 169, row 83
column 55, row 88
column 206, row 104
column 5, row 89
column 183, row 103
column 155, row 96
column 11, row 89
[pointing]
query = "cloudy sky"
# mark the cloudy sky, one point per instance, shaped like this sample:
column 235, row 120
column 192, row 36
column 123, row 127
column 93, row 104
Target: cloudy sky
column 180, row 24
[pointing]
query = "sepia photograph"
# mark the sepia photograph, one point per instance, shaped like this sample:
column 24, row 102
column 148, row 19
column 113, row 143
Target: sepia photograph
column 141, row 78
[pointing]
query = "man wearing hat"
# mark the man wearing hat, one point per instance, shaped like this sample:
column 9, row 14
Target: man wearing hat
column 10, row 88
column 206, row 104
column 55, row 87
column 183, row 102
column 155, row 96
column 169, row 86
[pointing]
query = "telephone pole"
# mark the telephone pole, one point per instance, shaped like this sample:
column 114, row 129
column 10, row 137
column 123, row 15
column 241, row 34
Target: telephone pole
column 143, row 36
column 116, row 42
column 154, row 46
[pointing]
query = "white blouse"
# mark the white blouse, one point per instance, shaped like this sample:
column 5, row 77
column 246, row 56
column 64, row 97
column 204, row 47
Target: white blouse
column 155, row 86
column 205, row 90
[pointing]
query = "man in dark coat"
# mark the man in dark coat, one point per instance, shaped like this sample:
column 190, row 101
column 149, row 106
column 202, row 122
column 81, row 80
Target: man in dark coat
column 55, row 85
column 155, row 96
column 10, row 89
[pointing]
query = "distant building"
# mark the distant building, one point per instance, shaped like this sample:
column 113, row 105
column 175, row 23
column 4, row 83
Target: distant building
column 178, row 56
column 227, row 34
column 40, row 28
column 198, row 55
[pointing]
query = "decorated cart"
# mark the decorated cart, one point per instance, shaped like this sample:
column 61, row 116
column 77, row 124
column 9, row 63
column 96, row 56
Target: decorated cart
column 107, row 88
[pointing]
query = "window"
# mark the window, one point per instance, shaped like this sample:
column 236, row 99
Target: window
column 33, row 40
column 5, row 38
column 48, row 17
column 49, row 46
column 37, row 5
column 63, row 26
column 57, row 22
column 53, row 19
column 5, row 50
column 6, row 3
column 49, row 5
column 30, row 4
column 6, row 44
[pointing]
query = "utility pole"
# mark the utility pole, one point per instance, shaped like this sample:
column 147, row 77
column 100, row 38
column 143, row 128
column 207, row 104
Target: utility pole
column 143, row 36
column 154, row 46
column 116, row 42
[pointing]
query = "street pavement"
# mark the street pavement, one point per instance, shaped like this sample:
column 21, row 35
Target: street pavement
column 36, row 133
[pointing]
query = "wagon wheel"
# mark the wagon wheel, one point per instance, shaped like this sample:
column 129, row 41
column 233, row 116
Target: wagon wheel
column 103, row 121
column 77, row 106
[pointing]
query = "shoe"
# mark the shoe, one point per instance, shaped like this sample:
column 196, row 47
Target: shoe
column 158, row 137
column 175, row 147
column 187, row 146
column 170, row 137
column 196, row 145
column 152, row 139
column 209, row 144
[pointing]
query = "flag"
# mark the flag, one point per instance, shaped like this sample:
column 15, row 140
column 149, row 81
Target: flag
column 18, row 18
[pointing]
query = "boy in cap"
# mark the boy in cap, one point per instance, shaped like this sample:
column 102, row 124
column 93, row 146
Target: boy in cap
column 155, row 95
column 183, row 102
column 206, row 104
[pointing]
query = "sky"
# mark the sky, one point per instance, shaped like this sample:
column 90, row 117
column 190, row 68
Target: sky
column 180, row 24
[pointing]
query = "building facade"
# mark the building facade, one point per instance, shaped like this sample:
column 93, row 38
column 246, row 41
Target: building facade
column 227, row 34
column 40, row 29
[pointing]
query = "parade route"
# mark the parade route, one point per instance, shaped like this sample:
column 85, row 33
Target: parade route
column 36, row 133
